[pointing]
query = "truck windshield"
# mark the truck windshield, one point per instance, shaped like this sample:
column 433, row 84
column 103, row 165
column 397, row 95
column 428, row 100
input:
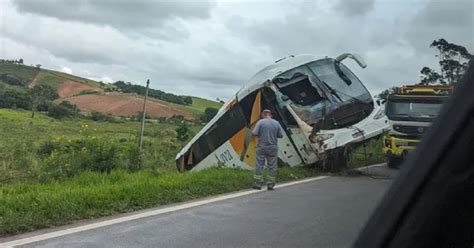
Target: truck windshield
column 413, row 110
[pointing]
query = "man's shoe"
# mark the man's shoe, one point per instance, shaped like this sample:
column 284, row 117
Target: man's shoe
column 270, row 186
column 257, row 186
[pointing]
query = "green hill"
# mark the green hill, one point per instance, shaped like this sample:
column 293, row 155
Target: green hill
column 22, row 76
column 23, row 73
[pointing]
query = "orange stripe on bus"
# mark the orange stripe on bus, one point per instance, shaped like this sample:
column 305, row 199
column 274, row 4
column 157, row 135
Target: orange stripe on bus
column 256, row 109
column 231, row 104
column 190, row 158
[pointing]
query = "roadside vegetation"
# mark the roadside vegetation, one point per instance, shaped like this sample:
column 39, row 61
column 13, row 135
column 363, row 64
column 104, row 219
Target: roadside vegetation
column 41, row 148
column 53, row 172
column 368, row 153
column 58, row 165
column 29, row 206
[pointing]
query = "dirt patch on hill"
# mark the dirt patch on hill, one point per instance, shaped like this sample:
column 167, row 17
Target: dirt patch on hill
column 33, row 81
column 123, row 105
column 71, row 88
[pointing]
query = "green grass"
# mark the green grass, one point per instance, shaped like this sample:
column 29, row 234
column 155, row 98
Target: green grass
column 29, row 206
column 60, row 77
column 198, row 106
column 196, row 109
column 201, row 104
column 23, row 72
column 368, row 153
column 22, row 136
column 54, row 78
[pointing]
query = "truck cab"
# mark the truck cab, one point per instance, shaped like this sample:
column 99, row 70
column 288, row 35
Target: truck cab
column 410, row 112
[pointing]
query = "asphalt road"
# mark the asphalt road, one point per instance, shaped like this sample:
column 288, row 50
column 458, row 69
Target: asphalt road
column 324, row 213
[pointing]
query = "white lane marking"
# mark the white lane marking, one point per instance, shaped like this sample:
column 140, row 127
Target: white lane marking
column 86, row 227
column 372, row 166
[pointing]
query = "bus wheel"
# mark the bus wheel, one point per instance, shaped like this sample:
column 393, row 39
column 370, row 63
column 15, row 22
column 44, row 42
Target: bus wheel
column 336, row 159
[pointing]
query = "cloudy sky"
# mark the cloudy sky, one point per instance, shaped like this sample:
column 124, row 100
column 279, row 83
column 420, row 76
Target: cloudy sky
column 210, row 48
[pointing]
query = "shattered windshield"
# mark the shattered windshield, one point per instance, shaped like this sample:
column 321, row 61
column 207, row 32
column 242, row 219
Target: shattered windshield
column 345, row 86
column 319, row 88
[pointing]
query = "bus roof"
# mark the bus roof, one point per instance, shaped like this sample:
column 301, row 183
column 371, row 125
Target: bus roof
column 273, row 70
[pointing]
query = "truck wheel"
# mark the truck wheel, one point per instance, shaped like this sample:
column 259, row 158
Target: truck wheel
column 394, row 162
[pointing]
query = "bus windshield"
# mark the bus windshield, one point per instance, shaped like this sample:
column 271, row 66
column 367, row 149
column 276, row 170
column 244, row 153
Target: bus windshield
column 325, row 88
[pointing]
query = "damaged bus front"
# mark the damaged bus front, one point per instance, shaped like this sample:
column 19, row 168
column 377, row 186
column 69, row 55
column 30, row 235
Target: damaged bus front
column 322, row 106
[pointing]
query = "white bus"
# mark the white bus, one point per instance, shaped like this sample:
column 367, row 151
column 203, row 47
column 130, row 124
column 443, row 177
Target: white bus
column 322, row 106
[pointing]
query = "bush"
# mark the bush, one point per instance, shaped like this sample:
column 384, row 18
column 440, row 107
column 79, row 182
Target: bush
column 62, row 110
column 176, row 119
column 208, row 114
column 161, row 119
column 139, row 116
column 182, row 132
column 14, row 97
column 158, row 94
column 86, row 92
column 187, row 100
column 98, row 116
column 11, row 80
column 63, row 158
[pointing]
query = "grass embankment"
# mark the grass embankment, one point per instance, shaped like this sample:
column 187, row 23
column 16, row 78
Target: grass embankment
column 29, row 206
column 368, row 153
column 22, row 139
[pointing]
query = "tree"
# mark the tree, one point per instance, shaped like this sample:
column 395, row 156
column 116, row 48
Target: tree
column 182, row 132
column 40, row 94
column 139, row 89
column 453, row 61
column 208, row 114
column 384, row 94
column 187, row 100
column 14, row 97
column 430, row 76
column 20, row 61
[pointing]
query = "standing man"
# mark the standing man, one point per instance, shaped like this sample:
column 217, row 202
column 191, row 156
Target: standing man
column 267, row 131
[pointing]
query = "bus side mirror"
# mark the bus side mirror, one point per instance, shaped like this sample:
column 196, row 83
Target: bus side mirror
column 357, row 58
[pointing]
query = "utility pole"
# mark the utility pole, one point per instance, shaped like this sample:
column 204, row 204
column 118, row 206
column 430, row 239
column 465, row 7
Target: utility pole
column 142, row 128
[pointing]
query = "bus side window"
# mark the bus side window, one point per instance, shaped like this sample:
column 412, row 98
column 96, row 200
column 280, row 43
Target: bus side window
column 246, row 105
column 226, row 126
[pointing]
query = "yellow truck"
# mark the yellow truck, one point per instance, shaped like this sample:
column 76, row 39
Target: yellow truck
column 410, row 111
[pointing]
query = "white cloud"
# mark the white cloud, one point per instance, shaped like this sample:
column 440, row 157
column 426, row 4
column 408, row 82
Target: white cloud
column 66, row 70
column 211, row 49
